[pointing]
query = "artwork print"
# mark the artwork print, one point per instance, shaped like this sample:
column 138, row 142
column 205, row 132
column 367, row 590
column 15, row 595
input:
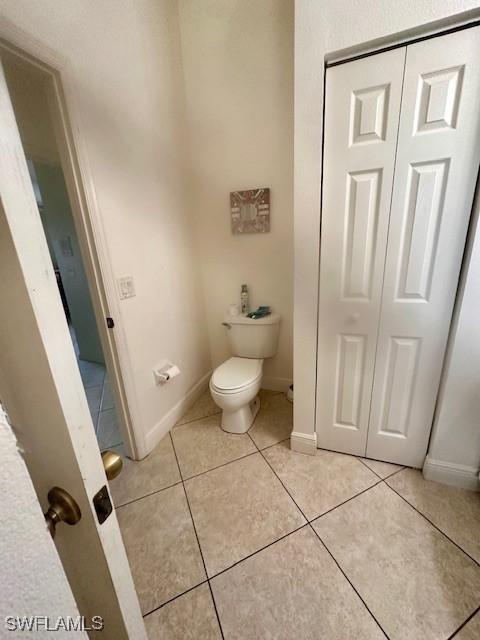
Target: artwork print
column 250, row 211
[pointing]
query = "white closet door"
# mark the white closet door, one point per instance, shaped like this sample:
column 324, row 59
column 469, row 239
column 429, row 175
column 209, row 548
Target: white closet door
column 361, row 125
column 436, row 171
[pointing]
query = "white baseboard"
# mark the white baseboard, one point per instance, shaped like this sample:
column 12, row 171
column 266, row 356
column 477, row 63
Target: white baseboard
column 304, row 443
column 276, row 384
column 456, row 475
column 158, row 431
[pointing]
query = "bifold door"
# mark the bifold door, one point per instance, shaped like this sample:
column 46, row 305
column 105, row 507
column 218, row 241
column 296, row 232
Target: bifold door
column 400, row 166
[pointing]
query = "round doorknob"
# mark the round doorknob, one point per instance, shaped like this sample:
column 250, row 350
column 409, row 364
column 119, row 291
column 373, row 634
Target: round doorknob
column 63, row 508
column 112, row 463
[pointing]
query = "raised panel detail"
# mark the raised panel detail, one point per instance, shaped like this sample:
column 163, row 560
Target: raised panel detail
column 438, row 100
column 361, row 224
column 423, row 215
column 402, row 365
column 369, row 112
column 350, row 365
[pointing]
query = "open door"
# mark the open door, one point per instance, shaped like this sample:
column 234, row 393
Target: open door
column 41, row 389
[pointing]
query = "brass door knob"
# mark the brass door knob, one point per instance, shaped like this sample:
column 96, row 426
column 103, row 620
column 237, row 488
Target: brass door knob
column 63, row 508
column 112, row 463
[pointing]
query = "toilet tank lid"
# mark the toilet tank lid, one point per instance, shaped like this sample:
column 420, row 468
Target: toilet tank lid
column 273, row 318
column 235, row 373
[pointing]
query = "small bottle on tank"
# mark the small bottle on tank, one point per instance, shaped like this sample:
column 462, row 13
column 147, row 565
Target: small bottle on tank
column 244, row 299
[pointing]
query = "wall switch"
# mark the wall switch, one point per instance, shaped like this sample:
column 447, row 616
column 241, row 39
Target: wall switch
column 126, row 287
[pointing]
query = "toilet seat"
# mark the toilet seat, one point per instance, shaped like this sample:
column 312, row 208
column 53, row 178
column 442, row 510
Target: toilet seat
column 236, row 374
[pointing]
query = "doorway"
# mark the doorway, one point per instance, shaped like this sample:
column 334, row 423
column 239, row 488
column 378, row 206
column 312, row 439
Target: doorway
column 42, row 133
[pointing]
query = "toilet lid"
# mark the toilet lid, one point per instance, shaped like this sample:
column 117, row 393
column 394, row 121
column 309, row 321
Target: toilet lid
column 236, row 373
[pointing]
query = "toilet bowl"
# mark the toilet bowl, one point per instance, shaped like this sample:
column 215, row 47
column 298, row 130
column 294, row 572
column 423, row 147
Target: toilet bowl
column 234, row 386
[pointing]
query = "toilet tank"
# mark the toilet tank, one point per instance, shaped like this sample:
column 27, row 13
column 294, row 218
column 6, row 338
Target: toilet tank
column 253, row 338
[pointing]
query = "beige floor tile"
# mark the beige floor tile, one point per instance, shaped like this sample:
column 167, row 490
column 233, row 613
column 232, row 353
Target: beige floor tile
column 108, row 430
column 161, row 546
column 202, row 445
column 201, row 408
column 417, row 584
column 140, row 478
column 238, row 509
column 292, row 589
column 471, row 631
column 274, row 421
column 189, row 617
column 382, row 469
column 455, row 511
column 319, row 483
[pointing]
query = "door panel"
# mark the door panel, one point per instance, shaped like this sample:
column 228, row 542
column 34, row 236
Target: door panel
column 425, row 193
column 436, row 171
column 361, row 124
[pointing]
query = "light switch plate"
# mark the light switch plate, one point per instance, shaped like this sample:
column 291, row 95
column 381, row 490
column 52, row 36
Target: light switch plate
column 126, row 287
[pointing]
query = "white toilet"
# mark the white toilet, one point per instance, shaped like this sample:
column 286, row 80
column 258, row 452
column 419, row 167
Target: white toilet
column 235, row 384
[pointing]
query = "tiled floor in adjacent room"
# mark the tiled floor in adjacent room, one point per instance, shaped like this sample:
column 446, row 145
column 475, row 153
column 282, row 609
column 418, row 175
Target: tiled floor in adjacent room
column 239, row 537
column 100, row 399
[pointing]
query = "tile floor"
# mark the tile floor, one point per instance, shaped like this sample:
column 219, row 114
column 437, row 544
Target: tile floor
column 99, row 398
column 238, row 537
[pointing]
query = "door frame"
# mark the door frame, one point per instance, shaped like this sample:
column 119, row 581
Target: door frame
column 88, row 224
column 364, row 50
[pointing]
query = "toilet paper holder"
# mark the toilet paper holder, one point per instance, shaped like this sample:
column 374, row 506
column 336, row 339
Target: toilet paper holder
column 165, row 371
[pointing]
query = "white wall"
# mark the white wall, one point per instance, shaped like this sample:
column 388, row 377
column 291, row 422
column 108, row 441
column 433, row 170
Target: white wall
column 31, row 568
column 238, row 67
column 124, row 89
column 321, row 29
column 454, row 451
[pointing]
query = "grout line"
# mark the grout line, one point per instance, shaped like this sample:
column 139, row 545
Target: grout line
column 147, row 495
column 100, row 408
column 308, row 523
column 315, row 533
column 198, row 419
column 367, row 467
column 209, row 579
column 395, row 473
column 196, row 535
column 224, row 464
column 377, row 474
column 345, row 501
column 270, row 445
column 432, row 523
column 209, row 415
column 160, row 606
column 321, row 514
column 362, row 458
column 112, row 446
column 281, row 482
column 202, row 473
column 254, row 553
column 347, row 579
column 477, row 610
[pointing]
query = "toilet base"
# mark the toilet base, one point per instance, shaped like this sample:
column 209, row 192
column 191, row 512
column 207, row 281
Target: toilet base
column 240, row 420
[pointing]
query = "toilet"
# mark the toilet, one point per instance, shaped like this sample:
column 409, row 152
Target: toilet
column 235, row 384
